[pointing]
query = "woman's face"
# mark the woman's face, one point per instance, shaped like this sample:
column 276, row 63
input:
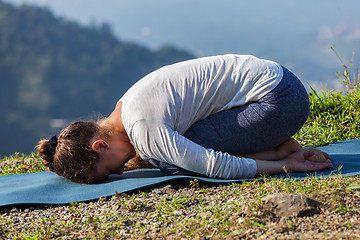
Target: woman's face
column 113, row 160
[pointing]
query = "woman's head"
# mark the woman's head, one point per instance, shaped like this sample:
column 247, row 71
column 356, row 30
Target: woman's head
column 71, row 154
column 86, row 152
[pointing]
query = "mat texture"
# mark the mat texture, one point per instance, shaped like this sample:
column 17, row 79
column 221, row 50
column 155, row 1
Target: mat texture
column 48, row 188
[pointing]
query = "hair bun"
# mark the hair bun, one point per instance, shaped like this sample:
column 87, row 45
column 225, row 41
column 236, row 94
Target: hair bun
column 51, row 146
column 47, row 149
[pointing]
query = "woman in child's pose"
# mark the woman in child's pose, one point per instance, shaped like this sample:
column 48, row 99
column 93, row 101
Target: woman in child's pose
column 229, row 116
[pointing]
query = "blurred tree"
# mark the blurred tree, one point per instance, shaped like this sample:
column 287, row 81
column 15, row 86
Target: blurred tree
column 54, row 68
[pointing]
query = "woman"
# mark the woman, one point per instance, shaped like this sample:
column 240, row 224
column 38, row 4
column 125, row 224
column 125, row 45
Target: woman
column 229, row 116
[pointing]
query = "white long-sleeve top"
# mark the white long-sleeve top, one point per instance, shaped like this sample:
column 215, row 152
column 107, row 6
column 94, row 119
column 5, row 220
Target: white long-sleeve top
column 160, row 107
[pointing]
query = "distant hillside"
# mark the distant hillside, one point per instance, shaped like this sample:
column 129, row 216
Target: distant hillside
column 51, row 68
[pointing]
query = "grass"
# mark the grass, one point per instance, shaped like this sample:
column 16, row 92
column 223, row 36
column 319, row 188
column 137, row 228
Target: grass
column 21, row 163
column 333, row 117
column 234, row 211
column 209, row 212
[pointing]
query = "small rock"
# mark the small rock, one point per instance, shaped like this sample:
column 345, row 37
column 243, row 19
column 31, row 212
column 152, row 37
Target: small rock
column 291, row 205
column 102, row 199
column 233, row 199
column 157, row 191
column 281, row 229
column 123, row 231
column 241, row 220
column 115, row 208
column 178, row 213
column 205, row 214
column 168, row 189
column 187, row 192
column 114, row 198
column 283, row 221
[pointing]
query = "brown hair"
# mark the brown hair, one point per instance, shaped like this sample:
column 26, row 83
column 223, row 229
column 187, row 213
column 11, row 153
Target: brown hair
column 70, row 155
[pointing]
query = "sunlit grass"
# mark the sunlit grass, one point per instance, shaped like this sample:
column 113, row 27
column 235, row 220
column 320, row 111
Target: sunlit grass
column 333, row 117
column 21, row 163
column 233, row 211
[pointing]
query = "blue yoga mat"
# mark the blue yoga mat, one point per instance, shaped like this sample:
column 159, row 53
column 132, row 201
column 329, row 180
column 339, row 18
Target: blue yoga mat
column 48, row 188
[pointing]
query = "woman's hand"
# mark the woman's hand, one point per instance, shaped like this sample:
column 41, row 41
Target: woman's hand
column 319, row 156
column 307, row 160
column 303, row 161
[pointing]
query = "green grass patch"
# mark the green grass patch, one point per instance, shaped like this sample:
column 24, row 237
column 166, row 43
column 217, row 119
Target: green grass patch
column 21, row 163
column 196, row 211
column 234, row 211
column 333, row 117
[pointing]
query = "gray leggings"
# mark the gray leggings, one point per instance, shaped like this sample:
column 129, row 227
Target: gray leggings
column 253, row 127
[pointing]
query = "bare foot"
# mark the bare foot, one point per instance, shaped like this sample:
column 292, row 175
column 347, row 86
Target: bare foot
column 288, row 147
column 282, row 151
column 319, row 156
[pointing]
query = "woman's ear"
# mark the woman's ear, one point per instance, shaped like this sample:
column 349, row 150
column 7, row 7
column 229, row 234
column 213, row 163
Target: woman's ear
column 98, row 145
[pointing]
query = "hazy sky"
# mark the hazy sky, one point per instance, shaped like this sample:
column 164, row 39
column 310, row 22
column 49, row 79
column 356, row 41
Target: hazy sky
column 204, row 26
column 207, row 27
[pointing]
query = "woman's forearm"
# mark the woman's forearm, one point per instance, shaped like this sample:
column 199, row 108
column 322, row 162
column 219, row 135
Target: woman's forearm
column 302, row 161
column 265, row 167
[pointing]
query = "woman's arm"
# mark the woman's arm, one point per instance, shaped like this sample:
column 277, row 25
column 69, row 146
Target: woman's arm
column 295, row 162
column 169, row 146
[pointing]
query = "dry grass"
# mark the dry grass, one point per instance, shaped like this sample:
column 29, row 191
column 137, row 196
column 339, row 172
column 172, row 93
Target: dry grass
column 192, row 210
column 199, row 212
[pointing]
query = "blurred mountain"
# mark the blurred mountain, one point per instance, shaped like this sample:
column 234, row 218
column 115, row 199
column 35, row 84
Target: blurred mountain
column 297, row 34
column 53, row 71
